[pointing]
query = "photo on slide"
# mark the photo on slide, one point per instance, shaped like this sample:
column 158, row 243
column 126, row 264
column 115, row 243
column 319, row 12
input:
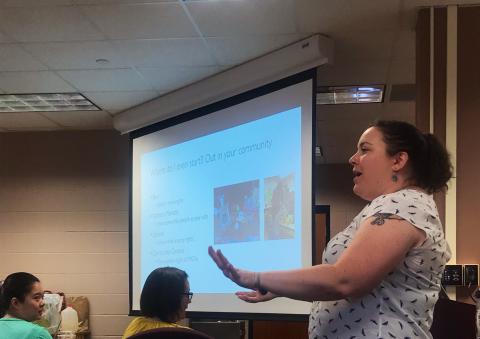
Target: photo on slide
column 279, row 207
column 236, row 213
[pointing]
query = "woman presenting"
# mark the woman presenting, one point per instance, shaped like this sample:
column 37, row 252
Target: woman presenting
column 379, row 277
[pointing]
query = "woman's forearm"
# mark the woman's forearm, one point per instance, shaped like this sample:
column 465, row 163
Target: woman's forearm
column 320, row 282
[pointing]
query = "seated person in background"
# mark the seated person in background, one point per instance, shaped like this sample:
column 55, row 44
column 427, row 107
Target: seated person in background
column 164, row 300
column 21, row 302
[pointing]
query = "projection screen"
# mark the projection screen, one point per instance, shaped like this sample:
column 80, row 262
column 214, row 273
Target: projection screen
column 237, row 175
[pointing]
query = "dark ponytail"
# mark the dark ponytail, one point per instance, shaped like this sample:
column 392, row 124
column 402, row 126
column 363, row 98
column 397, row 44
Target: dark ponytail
column 2, row 312
column 16, row 285
column 439, row 167
column 429, row 161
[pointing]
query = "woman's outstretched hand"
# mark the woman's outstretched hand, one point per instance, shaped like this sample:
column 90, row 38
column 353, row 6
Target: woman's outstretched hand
column 255, row 296
column 238, row 276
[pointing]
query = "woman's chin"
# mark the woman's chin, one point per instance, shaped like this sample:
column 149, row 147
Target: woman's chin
column 358, row 192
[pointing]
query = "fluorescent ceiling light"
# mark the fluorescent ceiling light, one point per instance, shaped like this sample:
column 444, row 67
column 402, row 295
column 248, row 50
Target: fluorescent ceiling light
column 350, row 95
column 45, row 102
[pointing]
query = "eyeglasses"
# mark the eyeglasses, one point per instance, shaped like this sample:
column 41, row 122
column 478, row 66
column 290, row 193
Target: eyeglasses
column 189, row 295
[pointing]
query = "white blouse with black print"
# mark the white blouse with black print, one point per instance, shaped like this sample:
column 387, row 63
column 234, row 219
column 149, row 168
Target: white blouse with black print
column 402, row 305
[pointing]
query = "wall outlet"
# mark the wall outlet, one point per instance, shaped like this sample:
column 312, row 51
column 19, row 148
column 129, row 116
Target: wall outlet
column 453, row 275
column 470, row 275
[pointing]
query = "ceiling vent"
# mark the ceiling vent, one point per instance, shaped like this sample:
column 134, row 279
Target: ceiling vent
column 45, row 102
column 335, row 95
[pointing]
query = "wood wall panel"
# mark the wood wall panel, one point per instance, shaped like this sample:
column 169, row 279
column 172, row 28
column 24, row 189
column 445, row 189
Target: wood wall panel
column 422, row 117
column 440, row 74
column 468, row 134
column 440, row 90
column 468, row 119
column 422, row 71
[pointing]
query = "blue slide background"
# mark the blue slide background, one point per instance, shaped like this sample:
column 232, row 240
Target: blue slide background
column 177, row 199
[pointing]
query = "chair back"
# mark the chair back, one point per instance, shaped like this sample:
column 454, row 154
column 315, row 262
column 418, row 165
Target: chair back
column 453, row 319
column 170, row 333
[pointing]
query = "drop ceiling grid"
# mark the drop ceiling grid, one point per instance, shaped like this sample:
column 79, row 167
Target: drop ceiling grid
column 155, row 47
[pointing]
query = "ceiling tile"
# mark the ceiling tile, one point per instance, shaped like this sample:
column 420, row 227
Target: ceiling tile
column 148, row 20
column 56, row 23
column 159, row 53
column 14, row 58
column 81, row 119
column 76, row 55
column 170, row 78
column 328, row 17
column 106, row 80
column 236, row 50
column 116, row 101
column 26, row 121
column 33, row 82
column 233, row 18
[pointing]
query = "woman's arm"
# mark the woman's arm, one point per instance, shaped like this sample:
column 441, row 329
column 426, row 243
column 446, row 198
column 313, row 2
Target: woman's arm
column 379, row 246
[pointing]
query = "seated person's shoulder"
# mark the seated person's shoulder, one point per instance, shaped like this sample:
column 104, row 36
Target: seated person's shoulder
column 22, row 328
column 43, row 334
column 38, row 332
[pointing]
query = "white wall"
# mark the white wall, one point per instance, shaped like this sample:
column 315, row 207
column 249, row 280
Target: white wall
column 334, row 187
column 64, row 215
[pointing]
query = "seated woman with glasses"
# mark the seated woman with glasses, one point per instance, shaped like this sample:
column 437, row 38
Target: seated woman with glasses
column 164, row 301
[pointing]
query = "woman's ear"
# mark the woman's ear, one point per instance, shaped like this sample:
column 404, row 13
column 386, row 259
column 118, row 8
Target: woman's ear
column 399, row 161
column 14, row 302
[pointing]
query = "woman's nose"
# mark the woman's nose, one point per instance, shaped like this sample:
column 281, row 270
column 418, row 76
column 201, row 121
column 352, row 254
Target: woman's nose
column 352, row 159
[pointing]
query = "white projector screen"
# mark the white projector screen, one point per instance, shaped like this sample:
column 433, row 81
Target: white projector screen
column 236, row 175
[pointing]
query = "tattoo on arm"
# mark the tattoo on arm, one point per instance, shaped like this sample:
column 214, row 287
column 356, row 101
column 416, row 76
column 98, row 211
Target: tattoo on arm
column 379, row 218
